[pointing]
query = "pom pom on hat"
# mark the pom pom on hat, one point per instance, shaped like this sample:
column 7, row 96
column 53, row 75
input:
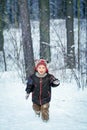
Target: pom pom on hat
column 41, row 62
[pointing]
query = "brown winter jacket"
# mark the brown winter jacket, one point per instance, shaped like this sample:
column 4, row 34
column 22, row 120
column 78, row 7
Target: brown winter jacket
column 41, row 88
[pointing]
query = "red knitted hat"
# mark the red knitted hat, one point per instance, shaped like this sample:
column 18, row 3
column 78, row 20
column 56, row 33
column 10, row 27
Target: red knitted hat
column 41, row 62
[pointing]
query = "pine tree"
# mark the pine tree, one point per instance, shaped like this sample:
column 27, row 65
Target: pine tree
column 44, row 30
column 70, row 35
column 26, row 36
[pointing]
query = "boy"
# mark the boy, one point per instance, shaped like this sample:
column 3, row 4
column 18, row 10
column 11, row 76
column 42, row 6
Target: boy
column 40, row 85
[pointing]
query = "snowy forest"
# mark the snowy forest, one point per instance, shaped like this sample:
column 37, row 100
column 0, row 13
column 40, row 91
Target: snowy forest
column 51, row 29
column 54, row 30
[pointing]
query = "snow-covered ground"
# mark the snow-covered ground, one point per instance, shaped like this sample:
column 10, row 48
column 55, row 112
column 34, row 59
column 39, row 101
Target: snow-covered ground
column 68, row 108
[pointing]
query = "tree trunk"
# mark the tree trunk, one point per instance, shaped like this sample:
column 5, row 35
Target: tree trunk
column 16, row 13
column 86, row 37
column 70, row 35
column 26, row 35
column 2, row 5
column 1, row 36
column 78, row 14
column 4, row 60
column 44, row 30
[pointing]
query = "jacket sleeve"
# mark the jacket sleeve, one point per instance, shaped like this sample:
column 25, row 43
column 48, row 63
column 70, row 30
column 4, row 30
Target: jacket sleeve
column 54, row 82
column 30, row 85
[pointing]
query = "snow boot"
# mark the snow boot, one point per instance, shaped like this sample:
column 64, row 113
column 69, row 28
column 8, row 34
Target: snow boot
column 37, row 109
column 45, row 112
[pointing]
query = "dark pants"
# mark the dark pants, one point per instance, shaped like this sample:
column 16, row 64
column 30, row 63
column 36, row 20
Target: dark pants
column 43, row 109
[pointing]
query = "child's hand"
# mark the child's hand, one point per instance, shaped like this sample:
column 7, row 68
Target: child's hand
column 27, row 96
column 56, row 82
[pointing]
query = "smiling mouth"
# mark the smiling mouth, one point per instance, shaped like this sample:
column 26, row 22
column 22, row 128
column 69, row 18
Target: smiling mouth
column 41, row 71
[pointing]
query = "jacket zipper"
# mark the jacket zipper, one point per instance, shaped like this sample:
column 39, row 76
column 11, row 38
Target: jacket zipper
column 40, row 90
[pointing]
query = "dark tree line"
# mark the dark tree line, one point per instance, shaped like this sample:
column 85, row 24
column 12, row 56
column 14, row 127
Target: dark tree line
column 58, row 9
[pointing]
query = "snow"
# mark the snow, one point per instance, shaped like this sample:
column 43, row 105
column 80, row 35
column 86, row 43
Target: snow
column 68, row 107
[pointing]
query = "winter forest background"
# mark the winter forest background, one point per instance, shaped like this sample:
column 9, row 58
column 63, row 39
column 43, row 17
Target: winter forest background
column 55, row 30
column 50, row 29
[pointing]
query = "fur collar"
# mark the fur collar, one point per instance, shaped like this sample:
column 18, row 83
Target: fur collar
column 40, row 76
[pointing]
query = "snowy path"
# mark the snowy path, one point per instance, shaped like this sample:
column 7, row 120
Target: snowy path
column 68, row 108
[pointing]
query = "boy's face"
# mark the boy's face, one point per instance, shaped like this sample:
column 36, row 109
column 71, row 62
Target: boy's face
column 41, row 69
